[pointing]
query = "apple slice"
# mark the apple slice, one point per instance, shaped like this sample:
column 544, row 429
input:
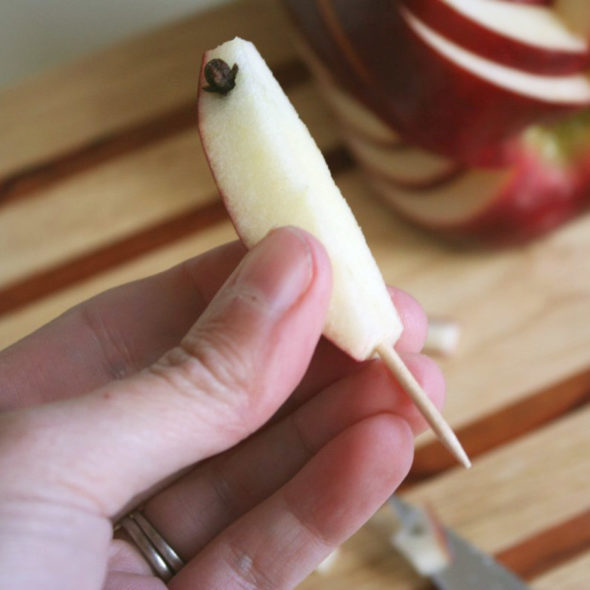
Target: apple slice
column 550, row 89
column 522, row 36
column 353, row 116
column 271, row 173
column 433, row 92
column 404, row 164
column 501, row 207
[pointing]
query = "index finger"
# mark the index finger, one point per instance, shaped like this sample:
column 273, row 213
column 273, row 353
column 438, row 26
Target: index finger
column 114, row 334
column 330, row 364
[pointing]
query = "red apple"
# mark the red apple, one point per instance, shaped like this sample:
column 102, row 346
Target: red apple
column 402, row 164
column 523, row 36
column 515, row 147
column 546, row 186
column 433, row 92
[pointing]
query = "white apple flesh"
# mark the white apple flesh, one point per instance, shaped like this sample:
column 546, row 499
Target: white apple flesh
column 573, row 89
column 271, row 173
column 535, row 25
column 356, row 118
column 434, row 92
column 403, row 164
column 522, row 36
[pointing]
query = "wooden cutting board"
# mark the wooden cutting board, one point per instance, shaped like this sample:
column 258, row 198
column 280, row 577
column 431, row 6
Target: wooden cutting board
column 102, row 180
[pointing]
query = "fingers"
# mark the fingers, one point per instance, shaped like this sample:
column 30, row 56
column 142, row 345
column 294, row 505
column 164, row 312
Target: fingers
column 128, row 581
column 283, row 539
column 236, row 365
column 330, row 364
column 413, row 319
column 114, row 334
column 200, row 505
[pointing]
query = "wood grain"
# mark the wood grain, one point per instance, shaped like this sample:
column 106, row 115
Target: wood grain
column 519, row 490
column 570, row 576
column 19, row 323
column 123, row 196
column 123, row 86
column 550, row 548
column 100, row 150
column 505, row 425
column 47, row 282
column 521, row 502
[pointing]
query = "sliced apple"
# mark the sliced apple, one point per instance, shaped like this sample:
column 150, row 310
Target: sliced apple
column 271, row 173
column 354, row 116
column 507, row 98
column 404, row 165
column 550, row 89
column 521, row 36
column 497, row 207
column 434, row 93
column 454, row 203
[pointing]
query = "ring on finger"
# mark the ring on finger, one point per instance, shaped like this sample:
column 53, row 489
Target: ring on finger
column 162, row 558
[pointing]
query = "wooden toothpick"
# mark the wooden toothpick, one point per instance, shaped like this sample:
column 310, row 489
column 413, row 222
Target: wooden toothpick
column 438, row 424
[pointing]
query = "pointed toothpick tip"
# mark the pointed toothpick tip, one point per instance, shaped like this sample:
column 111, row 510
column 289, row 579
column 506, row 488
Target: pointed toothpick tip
column 430, row 412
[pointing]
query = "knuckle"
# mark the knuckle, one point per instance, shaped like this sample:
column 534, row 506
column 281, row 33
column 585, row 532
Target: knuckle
column 117, row 360
column 221, row 358
column 205, row 366
column 248, row 573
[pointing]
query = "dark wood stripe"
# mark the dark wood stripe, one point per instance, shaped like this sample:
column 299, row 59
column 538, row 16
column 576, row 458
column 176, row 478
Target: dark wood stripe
column 505, row 425
column 548, row 549
column 52, row 280
column 42, row 175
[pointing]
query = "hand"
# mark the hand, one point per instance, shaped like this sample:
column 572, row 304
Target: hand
column 254, row 450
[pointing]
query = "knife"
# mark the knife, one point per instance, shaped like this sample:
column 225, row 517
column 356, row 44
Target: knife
column 441, row 555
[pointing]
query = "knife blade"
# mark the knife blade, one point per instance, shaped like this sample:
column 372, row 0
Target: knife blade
column 445, row 558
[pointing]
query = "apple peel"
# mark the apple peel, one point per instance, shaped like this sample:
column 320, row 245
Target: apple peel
column 271, row 173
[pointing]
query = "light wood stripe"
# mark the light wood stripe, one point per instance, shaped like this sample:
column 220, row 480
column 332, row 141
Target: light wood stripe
column 572, row 575
column 19, row 323
column 107, row 203
column 550, row 548
column 516, row 492
column 103, row 149
column 126, row 85
column 505, row 425
column 526, row 502
column 48, row 281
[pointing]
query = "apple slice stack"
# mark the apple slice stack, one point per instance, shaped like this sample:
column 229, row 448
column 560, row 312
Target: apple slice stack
column 470, row 117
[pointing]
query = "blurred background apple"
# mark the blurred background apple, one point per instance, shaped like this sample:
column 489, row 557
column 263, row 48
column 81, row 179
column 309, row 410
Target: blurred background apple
column 470, row 117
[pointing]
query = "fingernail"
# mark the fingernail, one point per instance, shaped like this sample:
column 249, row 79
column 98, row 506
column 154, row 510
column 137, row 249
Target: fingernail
column 280, row 268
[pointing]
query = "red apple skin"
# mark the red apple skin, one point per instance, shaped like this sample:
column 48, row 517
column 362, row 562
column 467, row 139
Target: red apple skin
column 537, row 198
column 424, row 97
column 489, row 44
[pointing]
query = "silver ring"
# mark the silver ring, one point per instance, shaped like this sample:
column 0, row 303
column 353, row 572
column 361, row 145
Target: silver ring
column 162, row 558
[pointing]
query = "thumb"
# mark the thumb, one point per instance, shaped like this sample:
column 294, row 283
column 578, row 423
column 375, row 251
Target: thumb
column 234, row 368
